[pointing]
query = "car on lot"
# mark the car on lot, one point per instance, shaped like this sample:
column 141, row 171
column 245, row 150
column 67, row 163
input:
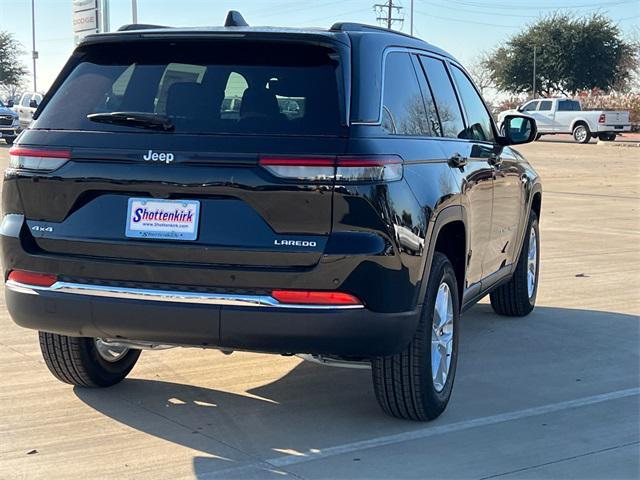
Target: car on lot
column 26, row 107
column 563, row 115
column 141, row 210
column 9, row 124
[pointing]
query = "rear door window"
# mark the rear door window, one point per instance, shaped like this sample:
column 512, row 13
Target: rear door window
column 568, row 106
column 403, row 111
column 445, row 97
column 222, row 88
column 545, row 106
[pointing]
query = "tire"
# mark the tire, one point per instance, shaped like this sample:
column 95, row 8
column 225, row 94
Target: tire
column 518, row 297
column 607, row 137
column 78, row 361
column 9, row 141
column 581, row 133
column 403, row 383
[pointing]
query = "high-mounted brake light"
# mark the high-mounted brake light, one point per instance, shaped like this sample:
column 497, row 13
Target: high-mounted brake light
column 303, row 297
column 32, row 278
column 39, row 159
column 602, row 118
column 370, row 168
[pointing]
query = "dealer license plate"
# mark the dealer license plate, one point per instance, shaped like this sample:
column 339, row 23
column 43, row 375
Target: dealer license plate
column 162, row 219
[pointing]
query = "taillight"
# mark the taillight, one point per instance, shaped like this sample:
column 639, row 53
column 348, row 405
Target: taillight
column 304, row 297
column 602, row 118
column 370, row 168
column 39, row 159
column 32, row 278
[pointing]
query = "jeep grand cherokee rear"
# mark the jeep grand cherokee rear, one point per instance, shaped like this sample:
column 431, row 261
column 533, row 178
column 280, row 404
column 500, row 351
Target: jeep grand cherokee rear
column 230, row 188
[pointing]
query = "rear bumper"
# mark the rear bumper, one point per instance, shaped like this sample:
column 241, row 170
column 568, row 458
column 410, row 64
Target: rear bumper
column 224, row 322
column 613, row 128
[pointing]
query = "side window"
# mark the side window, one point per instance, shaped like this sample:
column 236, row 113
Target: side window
column 568, row 106
column 545, row 105
column 403, row 111
column 445, row 97
column 176, row 73
column 530, row 107
column 479, row 121
column 233, row 92
column 114, row 98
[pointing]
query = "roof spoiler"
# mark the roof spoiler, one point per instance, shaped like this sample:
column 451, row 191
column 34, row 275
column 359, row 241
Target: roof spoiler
column 139, row 26
column 235, row 19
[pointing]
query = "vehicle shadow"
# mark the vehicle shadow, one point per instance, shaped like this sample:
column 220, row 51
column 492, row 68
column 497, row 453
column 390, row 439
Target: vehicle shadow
column 506, row 364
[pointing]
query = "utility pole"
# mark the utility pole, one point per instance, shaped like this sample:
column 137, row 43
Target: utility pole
column 134, row 11
column 411, row 24
column 34, row 53
column 385, row 12
column 534, row 70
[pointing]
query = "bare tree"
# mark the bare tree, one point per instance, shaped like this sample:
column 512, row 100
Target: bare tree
column 481, row 73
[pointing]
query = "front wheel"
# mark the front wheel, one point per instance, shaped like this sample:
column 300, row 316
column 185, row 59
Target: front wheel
column 86, row 362
column 581, row 133
column 416, row 383
column 518, row 297
column 8, row 140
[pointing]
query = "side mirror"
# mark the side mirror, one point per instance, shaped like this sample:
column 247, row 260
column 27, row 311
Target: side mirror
column 518, row 129
column 9, row 103
column 33, row 104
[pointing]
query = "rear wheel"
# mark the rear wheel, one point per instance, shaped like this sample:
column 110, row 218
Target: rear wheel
column 416, row 383
column 518, row 297
column 86, row 362
column 581, row 133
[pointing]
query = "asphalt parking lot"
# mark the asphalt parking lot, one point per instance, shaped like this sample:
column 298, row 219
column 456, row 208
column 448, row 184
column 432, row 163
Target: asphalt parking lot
column 555, row 394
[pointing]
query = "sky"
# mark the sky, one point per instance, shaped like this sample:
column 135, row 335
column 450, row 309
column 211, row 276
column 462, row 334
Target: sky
column 465, row 28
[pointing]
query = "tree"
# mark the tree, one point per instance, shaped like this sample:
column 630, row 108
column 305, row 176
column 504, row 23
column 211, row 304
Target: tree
column 482, row 74
column 12, row 71
column 573, row 54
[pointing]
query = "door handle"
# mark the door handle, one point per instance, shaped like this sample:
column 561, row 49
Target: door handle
column 457, row 160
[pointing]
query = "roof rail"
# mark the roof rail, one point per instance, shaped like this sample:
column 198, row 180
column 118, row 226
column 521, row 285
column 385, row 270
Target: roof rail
column 139, row 26
column 363, row 27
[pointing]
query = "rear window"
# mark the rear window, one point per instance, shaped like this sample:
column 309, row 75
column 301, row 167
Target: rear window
column 215, row 87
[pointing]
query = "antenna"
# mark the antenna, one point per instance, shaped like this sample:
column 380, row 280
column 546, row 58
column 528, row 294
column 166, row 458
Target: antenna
column 235, row 19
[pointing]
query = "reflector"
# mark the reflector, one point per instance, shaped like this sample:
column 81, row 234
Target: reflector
column 33, row 278
column 314, row 298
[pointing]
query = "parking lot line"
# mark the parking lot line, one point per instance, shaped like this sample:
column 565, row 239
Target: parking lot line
column 430, row 431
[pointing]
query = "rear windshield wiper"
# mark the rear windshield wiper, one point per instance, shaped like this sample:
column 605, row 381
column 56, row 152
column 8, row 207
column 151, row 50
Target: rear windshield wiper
column 134, row 119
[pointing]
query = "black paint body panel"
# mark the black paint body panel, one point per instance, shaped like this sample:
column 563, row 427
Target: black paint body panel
column 372, row 240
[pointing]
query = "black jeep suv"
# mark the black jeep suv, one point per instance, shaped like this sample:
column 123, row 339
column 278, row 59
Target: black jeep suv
column 340, row 194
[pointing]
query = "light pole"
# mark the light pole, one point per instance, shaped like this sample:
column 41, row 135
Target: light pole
column 34, row 53
column 134, row 11
column 534, row 70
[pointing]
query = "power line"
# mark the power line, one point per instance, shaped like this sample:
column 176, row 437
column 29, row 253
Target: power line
column 475, row 12
column 385, row 13
column 510, row 6
column 431, row 15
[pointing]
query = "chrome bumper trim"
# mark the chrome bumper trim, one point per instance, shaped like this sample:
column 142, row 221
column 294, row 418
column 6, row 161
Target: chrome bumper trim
column 167, row 296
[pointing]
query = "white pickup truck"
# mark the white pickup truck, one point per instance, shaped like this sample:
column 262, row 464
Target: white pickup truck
column 561, row 115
